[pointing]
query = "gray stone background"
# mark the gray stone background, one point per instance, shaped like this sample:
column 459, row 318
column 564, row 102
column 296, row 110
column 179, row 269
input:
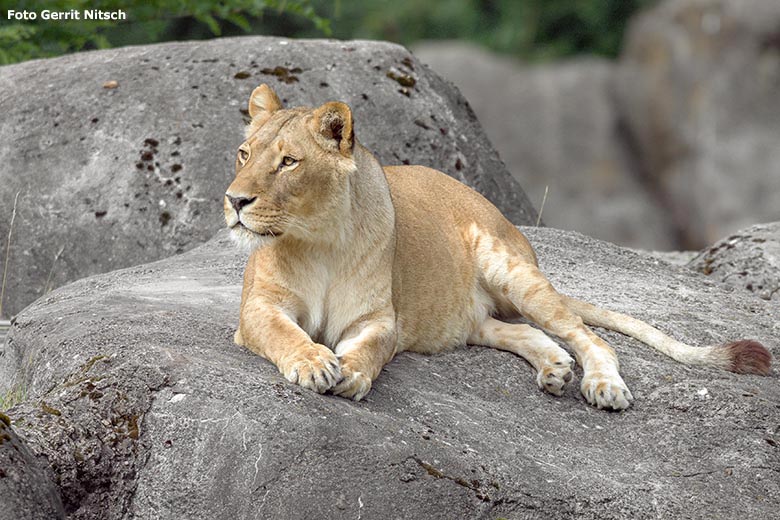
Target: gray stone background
column 672, row 146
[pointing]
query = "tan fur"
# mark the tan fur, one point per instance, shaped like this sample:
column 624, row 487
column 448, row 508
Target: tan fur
column 353, row 263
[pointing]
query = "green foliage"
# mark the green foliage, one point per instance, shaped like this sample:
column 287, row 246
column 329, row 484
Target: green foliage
column 148, row 21
column 529, row 29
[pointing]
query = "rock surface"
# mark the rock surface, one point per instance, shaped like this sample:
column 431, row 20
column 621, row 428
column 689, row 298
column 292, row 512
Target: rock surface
column 113, row 177
column 557, row 126
column 678, row 258
column 749, row 259
column 145, row 408
column 25, row 486
column 697, row 87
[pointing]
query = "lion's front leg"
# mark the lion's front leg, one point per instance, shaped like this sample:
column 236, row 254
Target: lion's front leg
column 271, row 333
column 362, row 355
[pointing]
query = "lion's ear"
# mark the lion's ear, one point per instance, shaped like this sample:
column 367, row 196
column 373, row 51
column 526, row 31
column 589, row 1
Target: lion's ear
column 263, row 101
column 333, row 122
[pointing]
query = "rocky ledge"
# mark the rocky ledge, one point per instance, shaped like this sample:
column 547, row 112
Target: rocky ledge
column 748, row 259
column 137, row 404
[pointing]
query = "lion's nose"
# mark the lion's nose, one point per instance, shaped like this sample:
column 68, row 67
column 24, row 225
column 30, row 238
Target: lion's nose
column 240, row 202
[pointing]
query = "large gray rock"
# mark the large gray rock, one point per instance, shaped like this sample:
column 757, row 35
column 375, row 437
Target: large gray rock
column 25, row 486
column 113, row 177
column 698, row 86
column 146, row 409
column 557, row 127
column 749, row 259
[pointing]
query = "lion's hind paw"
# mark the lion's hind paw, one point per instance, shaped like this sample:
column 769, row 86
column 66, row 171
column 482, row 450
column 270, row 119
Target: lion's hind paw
column 606, row 390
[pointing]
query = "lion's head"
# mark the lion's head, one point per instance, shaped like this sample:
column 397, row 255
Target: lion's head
column 291, row 171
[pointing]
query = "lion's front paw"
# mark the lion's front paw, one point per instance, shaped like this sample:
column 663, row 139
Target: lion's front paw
column 606, row 389
column 314, row 367
column 553, row 375
column 353, row 385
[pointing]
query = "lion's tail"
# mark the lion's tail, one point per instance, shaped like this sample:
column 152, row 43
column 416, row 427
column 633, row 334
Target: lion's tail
column 743, row 356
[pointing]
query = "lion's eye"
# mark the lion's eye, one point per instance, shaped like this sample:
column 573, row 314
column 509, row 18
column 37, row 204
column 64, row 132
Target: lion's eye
column 243, row 155
column 288, row 161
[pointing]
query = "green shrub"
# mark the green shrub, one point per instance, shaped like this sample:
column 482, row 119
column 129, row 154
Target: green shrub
column 147, row 21
column 529, row 29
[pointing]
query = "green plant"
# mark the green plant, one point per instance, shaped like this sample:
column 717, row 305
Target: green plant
column 14, row 396
column 535, row 30
column 529, row 29
column 147, row 21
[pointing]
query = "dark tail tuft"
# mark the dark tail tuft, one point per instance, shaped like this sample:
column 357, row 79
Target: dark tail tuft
column 748, row 357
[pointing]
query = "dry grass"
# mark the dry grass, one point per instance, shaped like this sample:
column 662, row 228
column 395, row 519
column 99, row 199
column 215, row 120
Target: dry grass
column 7, row 252
column 541, row 209
column 12, row 397
column 17, row 393
column 47, row 288
column 5, row 325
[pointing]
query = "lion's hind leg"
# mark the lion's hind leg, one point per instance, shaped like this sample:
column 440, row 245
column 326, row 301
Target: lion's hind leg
column 513, row 280
column 552, row 363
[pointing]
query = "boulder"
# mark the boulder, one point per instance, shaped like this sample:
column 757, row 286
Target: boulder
column 749, row 259
column 144, row 408
column 557, row 127
column 26, row 487
column 122, row 156
column 697, row 88
column 679, row 258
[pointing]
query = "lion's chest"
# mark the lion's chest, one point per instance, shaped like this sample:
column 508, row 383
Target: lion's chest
column 330, row 305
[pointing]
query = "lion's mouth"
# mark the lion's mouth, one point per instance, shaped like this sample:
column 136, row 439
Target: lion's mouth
column 267, row 233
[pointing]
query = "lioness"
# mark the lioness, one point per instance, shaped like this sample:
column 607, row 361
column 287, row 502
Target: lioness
column 354, row 263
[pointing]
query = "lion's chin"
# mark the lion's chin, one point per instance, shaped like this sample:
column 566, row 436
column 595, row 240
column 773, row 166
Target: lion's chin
column 249, row 240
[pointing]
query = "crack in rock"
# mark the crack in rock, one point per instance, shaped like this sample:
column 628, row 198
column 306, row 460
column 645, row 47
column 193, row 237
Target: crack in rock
column 473, row 485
